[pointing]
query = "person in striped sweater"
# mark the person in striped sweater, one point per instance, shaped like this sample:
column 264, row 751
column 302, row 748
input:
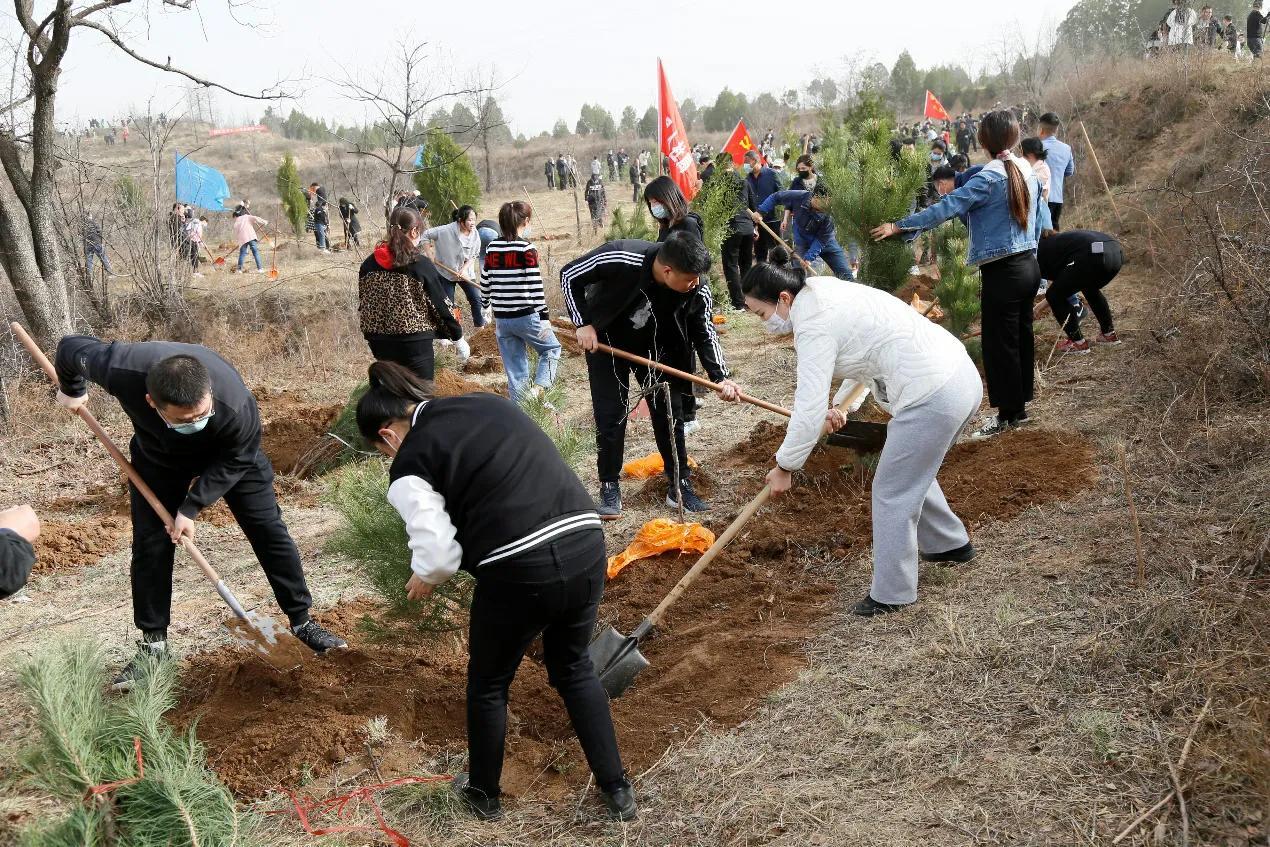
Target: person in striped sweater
column 511, row 284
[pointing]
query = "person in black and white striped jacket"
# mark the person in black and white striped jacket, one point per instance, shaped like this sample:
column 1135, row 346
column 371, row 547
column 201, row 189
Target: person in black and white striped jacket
column 647, row 299
column 511, row 283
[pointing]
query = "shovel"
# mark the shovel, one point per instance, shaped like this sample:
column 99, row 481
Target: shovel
column 861, row 436
column 259, row 633
column 616, row 657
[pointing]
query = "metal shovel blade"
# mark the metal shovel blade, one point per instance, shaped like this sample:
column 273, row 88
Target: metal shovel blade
column 617, row 661
column 861, row 436
column 268, row 639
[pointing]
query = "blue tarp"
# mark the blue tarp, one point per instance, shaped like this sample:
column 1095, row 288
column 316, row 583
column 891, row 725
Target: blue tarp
column 201, row 185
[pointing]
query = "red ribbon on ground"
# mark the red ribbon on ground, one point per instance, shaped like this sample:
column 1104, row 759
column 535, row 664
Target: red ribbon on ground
column 98, row 790
column 340, row 807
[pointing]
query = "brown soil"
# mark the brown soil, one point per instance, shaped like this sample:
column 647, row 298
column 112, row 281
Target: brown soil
column 565, row 337
column 65, row 545
column 451, row 384
column 923, row 285
column 734, row 637
column 483, row 365
column 291, row 428
column 483, row 342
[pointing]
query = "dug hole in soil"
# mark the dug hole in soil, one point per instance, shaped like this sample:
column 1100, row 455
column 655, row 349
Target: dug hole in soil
column 734, row 637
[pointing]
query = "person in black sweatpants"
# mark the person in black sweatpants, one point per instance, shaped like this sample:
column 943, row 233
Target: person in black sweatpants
column 196, row 440
column 1009, row 354
column 482, row 488
column 1085, row 261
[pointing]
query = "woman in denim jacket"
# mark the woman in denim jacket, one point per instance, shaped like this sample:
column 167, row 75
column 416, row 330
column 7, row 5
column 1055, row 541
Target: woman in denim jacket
column 1005, row 214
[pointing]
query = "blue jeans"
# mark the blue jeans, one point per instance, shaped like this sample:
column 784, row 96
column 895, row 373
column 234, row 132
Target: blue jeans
column 242, row 254
column 515, row 336
column 835, row 257
column 319, row 233
column 473, row 293
column 96, row 251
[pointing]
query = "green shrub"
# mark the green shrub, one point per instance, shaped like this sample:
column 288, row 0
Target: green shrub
column 637, row 226
column 290, row 192
column 447, row 179
column 373, row 536
column 868, row 187
column 958, row 288
column 86, row 739
column 717, row 202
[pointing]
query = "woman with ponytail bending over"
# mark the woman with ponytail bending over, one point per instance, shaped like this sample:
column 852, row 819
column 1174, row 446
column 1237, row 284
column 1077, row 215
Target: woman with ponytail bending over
column 482, row 489
column 1005, row 213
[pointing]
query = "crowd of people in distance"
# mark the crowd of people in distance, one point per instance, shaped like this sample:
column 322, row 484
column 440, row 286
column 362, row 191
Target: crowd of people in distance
column 1183, row 29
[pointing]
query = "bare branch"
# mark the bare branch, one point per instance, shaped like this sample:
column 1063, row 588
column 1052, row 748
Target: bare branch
column 167, row 67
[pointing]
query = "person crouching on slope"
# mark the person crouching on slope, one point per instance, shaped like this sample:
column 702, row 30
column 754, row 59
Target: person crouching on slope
column 647, row 299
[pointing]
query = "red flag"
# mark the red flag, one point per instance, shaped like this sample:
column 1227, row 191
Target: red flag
column 674, row 139
column 934, row 109
column 740, row 143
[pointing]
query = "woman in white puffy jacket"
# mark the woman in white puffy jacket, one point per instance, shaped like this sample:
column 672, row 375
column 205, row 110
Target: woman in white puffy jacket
column 916, row 370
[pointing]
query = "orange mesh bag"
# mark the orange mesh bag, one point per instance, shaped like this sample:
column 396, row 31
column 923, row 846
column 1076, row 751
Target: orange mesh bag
column 662, row 535
column 648, row 467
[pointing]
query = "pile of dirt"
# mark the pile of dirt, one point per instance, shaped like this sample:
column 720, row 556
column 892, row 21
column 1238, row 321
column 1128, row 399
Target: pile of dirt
column 483, row 365
column 66, row 545
column 292, row 429
column 987, row 480
column 564, row 335
column 923, row 285
column 448, row 383
column 483, row 342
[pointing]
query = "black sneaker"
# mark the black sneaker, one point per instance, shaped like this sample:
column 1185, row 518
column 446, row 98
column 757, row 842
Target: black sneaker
column 139, row 664
column 609, row 505
column 995, row 426
column 692, row 503
column 621, row 803
column 868, row 607
column 957, row 556
column 317, row 638
column 481, row 805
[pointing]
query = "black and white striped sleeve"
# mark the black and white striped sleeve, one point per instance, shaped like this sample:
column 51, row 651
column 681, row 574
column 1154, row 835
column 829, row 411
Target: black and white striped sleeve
column 598, row 265
column 705, row 339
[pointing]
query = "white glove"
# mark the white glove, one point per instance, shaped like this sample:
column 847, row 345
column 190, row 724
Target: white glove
column 72, row 404
column 463, row 348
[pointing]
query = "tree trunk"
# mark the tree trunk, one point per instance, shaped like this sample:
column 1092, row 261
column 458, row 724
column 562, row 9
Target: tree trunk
column 17, row 255
column 489, row 164
column 42, row 209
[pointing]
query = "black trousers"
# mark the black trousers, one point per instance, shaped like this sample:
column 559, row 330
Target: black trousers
column 414, row 352
column 738, row 258
column 1089, row 275
column 254, row 507
column 635, row 192
column 1009, row 352
column 765, row 241
column 562, row 181
column 610, row 380
column 1056, row 214
column 554, row 590
column 551, row 180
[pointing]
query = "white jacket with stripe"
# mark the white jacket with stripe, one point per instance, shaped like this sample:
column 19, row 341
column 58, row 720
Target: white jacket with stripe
column 848, row 331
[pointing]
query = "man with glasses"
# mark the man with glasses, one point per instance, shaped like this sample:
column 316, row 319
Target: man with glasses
column 196, row 440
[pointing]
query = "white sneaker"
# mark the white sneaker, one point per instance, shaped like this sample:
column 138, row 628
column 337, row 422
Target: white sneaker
column 196, row 273
column 536, row 391
column 691, row 426
column 914, row 270
column 260, row 270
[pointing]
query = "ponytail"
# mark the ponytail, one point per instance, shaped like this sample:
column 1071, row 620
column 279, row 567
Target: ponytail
column 400, row 222
column 998, row 133
column 766, row 280
column 394, row 390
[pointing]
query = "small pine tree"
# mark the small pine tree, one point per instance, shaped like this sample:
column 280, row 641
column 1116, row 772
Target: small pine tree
column 374, row 537
column 869, row 186
column 958, row 288
column 637, row 226
column 447, row 179
column 294, row 206
column 128, row 195
column 87, row 740
column 717, row 202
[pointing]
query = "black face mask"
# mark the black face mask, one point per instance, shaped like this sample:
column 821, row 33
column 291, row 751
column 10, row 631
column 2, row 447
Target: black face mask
column 805, row 174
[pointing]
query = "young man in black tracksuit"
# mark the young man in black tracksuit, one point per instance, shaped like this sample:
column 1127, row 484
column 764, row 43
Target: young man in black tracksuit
column 1079, row 260
column 196, row 440
column 481, row 488
column 646, row 299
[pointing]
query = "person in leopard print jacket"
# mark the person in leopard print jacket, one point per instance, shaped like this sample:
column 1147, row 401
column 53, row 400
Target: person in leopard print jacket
column 401, row 299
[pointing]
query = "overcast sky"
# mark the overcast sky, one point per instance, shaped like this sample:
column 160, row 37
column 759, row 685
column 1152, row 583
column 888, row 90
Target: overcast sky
column 553, row 57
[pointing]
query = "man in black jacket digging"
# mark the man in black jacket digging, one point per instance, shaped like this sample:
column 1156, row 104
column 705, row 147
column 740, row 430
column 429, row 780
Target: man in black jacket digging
column 196, row 439
column 647, row 299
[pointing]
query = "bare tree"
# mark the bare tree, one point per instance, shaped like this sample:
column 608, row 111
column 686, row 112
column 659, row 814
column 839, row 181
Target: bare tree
column 400, row 99
column 31, row 252
column 489, row 118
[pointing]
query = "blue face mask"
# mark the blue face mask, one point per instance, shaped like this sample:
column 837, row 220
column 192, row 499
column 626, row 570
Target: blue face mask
column 190, row 427
column 747, row 167
column 658, row 211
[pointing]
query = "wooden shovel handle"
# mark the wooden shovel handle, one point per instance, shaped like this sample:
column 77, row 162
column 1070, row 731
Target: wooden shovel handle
column 709, row 556
column 124, row 465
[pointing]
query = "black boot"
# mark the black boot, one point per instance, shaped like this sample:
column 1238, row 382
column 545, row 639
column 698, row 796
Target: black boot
column 481, row 805
column 957, row 556
column 868, row 607
column 621, row 803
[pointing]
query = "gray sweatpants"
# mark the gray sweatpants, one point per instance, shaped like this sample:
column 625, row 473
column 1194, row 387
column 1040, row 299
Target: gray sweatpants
column 909, row 509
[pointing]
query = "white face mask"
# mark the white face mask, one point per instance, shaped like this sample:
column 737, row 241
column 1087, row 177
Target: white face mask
column 396, row 448
column 526, row 231
column 777, row 325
